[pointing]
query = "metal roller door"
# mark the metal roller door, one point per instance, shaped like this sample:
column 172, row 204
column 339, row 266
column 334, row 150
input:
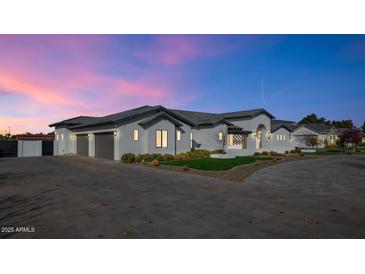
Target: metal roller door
column 82, row 145
column 104, row 145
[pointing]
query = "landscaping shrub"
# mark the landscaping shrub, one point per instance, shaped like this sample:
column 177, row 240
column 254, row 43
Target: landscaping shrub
column 181, row 156
column 155, row 162
column 257, row 154
column 157, row 156
column 286, row 151
column 128, row 158
column 168, row 157
column 331, row 145
column 293, row 151
column 194, row 154
column 141, row 157
column 264, row 153
column 274, row 153
column 147, row 157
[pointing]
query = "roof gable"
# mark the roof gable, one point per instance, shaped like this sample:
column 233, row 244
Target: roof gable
column 150, row 121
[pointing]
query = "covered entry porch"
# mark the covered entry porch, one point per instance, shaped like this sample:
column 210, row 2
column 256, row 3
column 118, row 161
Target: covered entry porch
column 237, row 138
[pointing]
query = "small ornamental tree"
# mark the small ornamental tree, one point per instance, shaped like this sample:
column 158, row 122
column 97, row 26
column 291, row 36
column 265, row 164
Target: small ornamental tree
column 351, row 136
column 311, row 140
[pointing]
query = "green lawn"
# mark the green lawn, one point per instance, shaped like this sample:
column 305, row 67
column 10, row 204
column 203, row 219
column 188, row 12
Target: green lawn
column 324, row 152
column 216, row 164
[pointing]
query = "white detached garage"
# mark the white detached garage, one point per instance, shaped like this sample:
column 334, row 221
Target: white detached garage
column 31, row 145
column 29, row 148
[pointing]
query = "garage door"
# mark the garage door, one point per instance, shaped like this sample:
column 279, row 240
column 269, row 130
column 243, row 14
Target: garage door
column 104, row 145
column 83, row 145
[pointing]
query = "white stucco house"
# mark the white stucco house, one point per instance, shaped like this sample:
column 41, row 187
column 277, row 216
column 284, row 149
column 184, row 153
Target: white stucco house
column 156, row 129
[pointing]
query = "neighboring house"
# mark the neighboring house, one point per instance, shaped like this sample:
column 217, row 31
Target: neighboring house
column 156, row 129
column 327, row 134
column 282, row 138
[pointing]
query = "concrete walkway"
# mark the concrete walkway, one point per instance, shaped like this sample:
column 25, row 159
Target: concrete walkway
column 75, row 197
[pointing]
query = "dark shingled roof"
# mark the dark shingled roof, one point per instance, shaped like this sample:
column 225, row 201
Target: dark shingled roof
column 199, row 118
column 246, row 114
column 75, row 121
column 192, row 118
column 277, row 124
column 321, row 128
column 118, row 117
column 206, row 118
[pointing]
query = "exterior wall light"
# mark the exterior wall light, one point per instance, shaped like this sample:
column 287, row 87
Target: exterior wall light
column 89, row 135
column 115, row 133
column 269, row 135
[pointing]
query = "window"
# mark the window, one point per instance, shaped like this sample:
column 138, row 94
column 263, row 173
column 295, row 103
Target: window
column 178, row 135
column 277, row 137
column 56, row 137
column 191, row 140
column 164, row 138
column 161, row 138
column 220, row 136
column 284, row 137
column 135, row 135
column 62, row 137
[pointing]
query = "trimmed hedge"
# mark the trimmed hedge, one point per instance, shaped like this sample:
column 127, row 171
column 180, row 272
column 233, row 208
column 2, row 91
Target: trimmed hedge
column 150, row 157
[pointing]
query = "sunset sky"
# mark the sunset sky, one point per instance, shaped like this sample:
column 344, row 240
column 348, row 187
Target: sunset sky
column 45, row 78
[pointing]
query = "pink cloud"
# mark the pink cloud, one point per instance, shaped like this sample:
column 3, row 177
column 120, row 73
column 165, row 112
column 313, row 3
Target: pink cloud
column 179, row 49
column 51, row 78
column 171, row 50
column 22, row 84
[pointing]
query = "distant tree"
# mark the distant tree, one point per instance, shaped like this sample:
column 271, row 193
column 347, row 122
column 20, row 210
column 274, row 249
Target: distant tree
column 363, row 128
column 7, row 137
column 311, row 140
column 312, row 118
column 352, row 137
column 343, row 124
